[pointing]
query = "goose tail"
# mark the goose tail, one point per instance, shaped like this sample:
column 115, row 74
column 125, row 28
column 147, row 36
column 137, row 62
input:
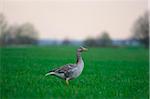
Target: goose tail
column 50, row 73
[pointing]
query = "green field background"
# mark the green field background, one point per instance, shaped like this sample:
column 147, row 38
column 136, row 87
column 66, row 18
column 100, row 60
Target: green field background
column 109, row 73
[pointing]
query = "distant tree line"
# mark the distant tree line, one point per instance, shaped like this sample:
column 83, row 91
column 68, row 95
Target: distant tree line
column 103, row 41
column 140, row 34
column 27, row 34
column 17, row 34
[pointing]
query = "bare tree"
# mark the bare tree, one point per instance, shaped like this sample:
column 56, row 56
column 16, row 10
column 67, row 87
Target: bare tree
column 3, row 29
column 11, row 33
column 17, row 34
column 141, row 29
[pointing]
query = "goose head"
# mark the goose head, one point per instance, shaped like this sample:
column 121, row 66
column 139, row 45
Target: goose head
column 82, row 49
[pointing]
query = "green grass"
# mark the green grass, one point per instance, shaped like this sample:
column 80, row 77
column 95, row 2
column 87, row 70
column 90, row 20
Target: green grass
column 109, row 73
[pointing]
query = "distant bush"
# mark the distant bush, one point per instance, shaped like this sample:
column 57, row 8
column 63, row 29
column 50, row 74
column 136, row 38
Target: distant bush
column 103, row 41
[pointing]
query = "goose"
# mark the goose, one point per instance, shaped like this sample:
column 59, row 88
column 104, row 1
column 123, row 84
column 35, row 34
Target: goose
column 70, row 71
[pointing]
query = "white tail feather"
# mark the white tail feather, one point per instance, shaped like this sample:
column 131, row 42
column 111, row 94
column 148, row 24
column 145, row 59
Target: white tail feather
column 49, row 73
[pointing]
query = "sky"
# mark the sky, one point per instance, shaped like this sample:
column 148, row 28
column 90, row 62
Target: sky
column 75, row 19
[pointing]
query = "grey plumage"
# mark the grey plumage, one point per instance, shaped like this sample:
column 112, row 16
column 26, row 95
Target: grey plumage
column 65, row 70
column 70, row 71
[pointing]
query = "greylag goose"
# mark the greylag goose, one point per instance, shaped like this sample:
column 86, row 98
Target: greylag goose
column 70, row 71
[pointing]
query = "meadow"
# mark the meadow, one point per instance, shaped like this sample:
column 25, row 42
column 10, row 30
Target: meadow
column 109, row 73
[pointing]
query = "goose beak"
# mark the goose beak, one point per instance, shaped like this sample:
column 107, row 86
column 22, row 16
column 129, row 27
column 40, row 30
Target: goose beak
column 85, row 49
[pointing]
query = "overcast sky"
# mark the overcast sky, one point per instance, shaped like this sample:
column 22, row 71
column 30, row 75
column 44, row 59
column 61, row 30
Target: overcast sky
column 75, row 19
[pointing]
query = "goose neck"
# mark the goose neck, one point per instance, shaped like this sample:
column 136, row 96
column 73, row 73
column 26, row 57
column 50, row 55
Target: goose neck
column 79, row 57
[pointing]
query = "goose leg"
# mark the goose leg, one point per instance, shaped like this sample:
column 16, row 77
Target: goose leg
column 67, row 81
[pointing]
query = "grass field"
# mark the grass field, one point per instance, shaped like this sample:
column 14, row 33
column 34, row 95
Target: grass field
column 109, row 73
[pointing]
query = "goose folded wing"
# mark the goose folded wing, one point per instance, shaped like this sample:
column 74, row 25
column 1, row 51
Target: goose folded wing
column 64, row 69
